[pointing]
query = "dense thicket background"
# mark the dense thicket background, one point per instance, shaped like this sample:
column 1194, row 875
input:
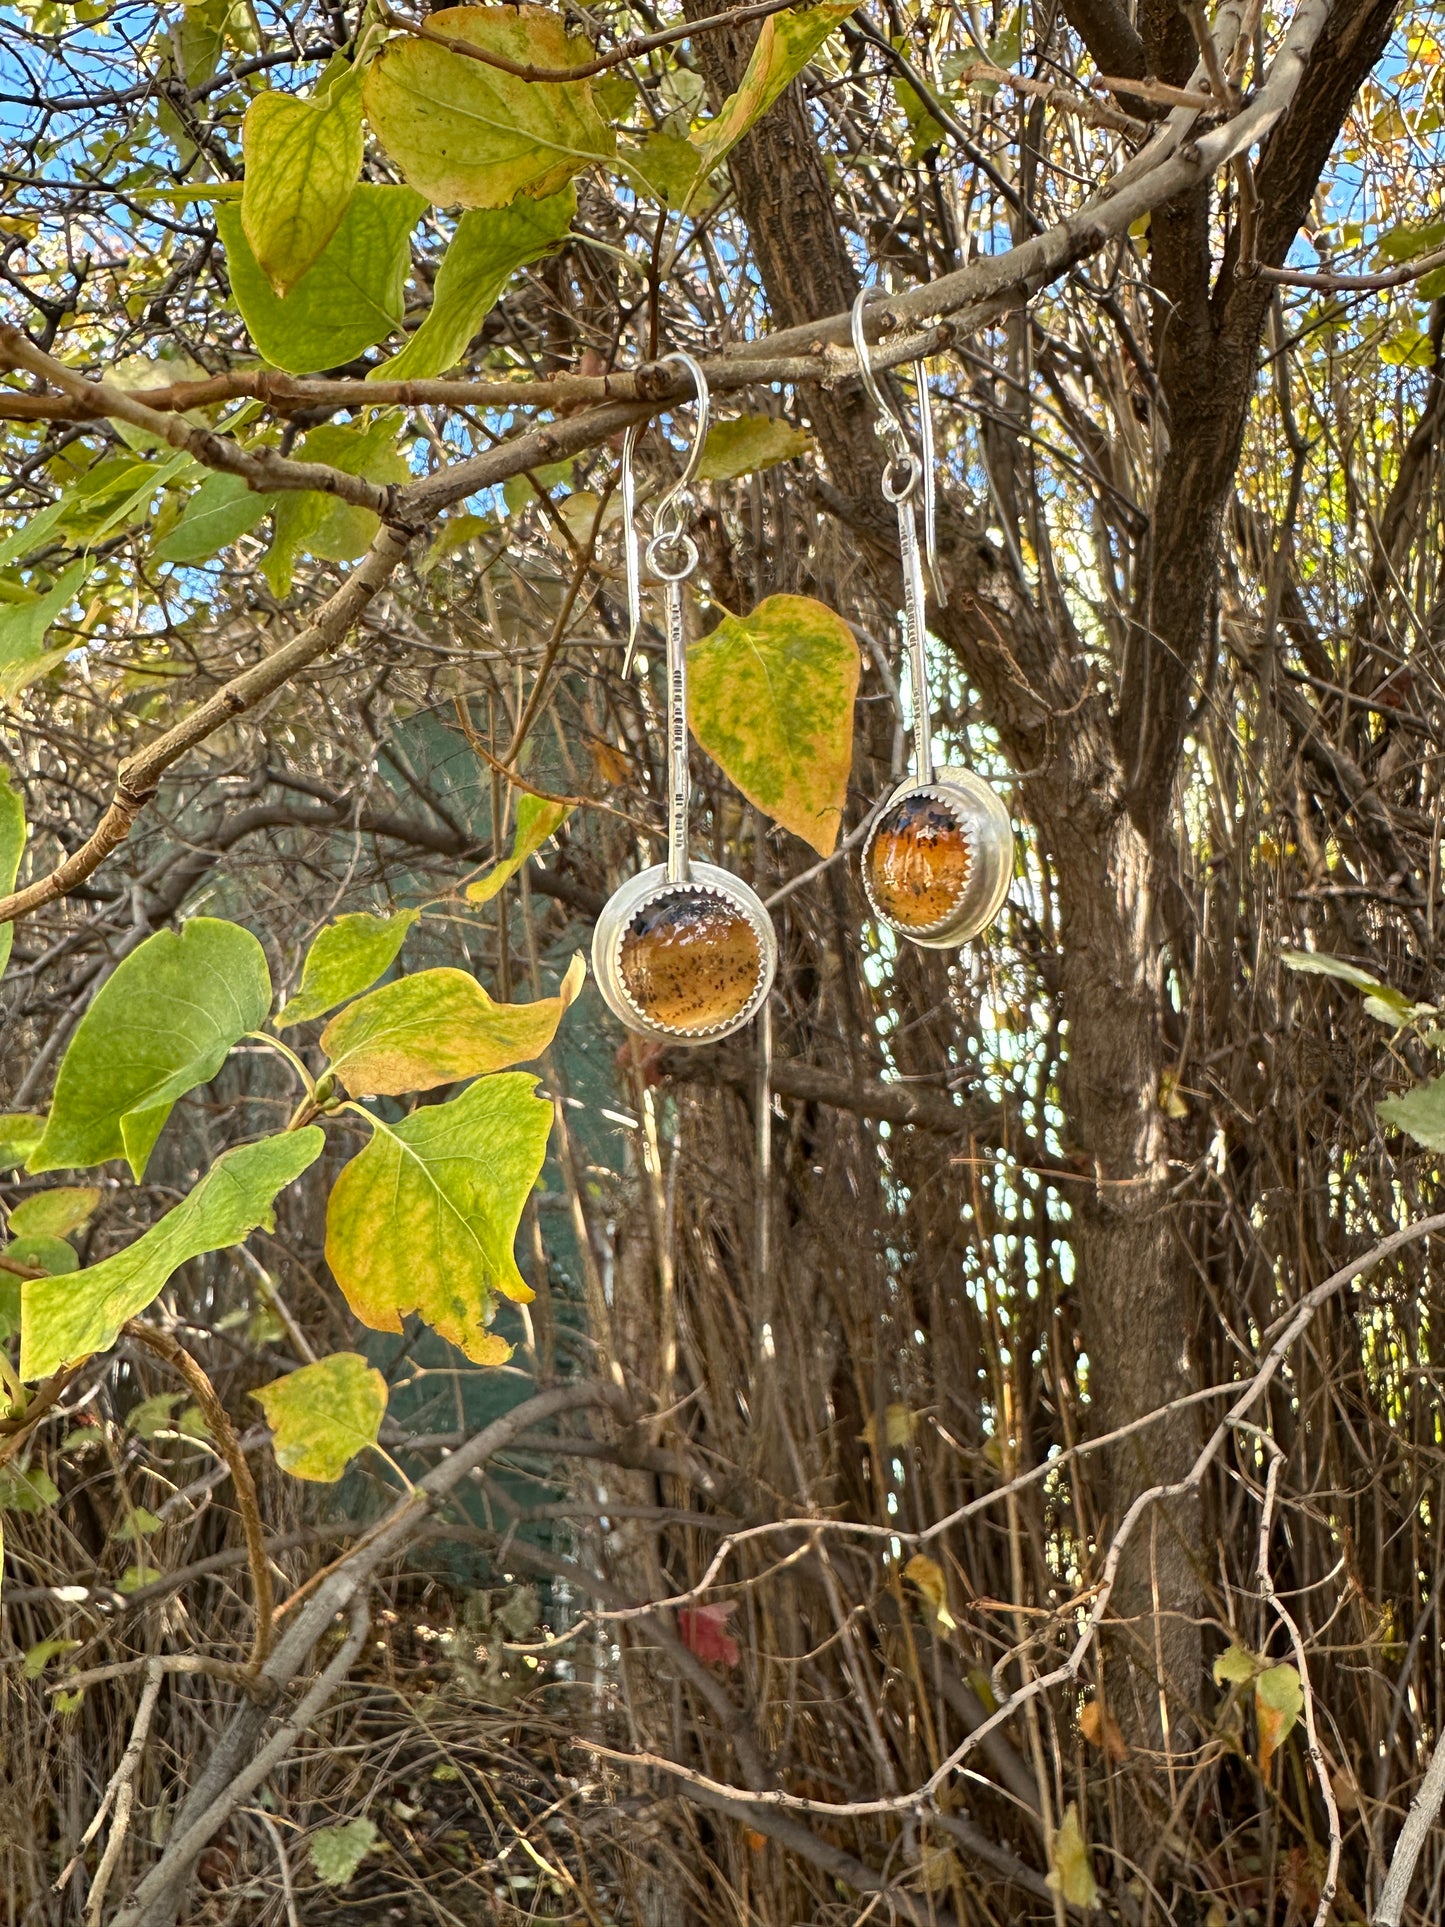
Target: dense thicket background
column 1014, row 1197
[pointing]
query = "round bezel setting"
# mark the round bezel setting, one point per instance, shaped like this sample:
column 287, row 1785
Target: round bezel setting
column 652, row 891
column 983, row 826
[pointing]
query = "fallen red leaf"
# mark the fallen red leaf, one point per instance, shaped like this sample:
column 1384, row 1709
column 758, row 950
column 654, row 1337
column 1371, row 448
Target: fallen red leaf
column 704, row 1633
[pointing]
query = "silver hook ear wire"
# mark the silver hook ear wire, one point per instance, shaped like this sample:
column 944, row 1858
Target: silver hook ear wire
column 890, row 426
column 667, row 517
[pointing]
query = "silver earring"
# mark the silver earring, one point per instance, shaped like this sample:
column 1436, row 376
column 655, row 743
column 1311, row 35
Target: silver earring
column 683, row 952
column 939, row 859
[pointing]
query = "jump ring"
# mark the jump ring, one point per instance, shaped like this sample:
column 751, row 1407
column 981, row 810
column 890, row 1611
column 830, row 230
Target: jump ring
column 672, row 541
column 900, row 478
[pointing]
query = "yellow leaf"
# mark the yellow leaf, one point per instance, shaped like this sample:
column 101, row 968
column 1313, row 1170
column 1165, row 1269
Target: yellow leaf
column 50, row 1214
column 784, row 47
column 898, row 1424
column 1170, row 1101
column 1071, row 1867
column 1278, row 1701
column 537, row 819
column 749, row 443
column 436, row 1027
column 1100, row 1728
column 928, row 1576
column 303, row 160
column 425, row 1217
column 771, row 701
column 324, row 1414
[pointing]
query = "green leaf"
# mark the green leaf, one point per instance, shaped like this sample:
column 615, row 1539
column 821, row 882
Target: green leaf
column 20, row 1132
column 137, row 1523
column 30, row 535
column 159, row 1027
column 345, row 959
column 347, row 301
column 490, row 244
column 1317, row 964
column 468, row 134
column 770, row 699
column 1401, row 244
column 1278, row 1702
column 323, row 1415
column 68, row 1319
column 749, row 443
column 1419, row 1113
column 153, row 1415
column 50, row 1214
column 520, row 491
column 537, row 819
column 665, row 167
column 336, row 1852
column 783, row 49
column 118, row 491
column 316, row 524
column 30, row 1491
column 39, row 1656
column 40, row 1252
column 425, row 1217
column 1234, row 1666
column 25, row 625
column 220, row 512
column 12, row 849
column 303, row 158
column 134, row 1577
column 1071, row 1865
column 436, row 1027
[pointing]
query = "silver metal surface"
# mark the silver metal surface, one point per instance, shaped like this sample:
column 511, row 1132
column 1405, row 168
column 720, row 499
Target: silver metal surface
column 983, row 822
column 652, row 887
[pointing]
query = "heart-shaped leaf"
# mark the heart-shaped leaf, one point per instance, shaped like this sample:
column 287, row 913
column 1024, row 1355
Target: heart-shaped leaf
column 425, row 1217
column 323, row 1415
column 770, row 698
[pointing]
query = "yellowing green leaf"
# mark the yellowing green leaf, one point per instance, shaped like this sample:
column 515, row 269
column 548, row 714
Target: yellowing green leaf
column 537, row 819
column 346, row 958
column 468, row 134
column 784, row 47
column 1071, row 1866
column 1316, row 963
column 436, row 1027
column 39, row 1656
column 323, row 1415
column 349, row 299
column 12, row 848
column 490, row 244
column 336, row 1852
column 52, row 1213
column 160, row 1026
column 425, row 1217
column 1419, row 1113
column 665, row 167
column 1278, row 1702
column 69, row 1318
column 20, row 1132
column 302, row 162
column 928, row 1576
column 153, row 1415
column 771, row 701
column 749, row 443
column 137, row 1524
column 134, row 1577
column 1234, row 1666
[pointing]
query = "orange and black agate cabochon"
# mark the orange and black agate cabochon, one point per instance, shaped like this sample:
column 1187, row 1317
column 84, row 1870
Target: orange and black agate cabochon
column 690, row 960
column 918, row 862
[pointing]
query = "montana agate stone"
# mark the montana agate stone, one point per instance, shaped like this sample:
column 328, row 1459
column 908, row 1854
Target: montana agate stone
column 919, row 860
column 690, row 960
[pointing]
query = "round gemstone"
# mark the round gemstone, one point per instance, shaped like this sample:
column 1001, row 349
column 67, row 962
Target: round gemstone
column 918, row 862
column 690, row 960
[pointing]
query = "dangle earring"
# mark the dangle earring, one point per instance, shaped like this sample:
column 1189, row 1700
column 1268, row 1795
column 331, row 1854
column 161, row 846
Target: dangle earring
column 683, row 952
column 939, row 859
